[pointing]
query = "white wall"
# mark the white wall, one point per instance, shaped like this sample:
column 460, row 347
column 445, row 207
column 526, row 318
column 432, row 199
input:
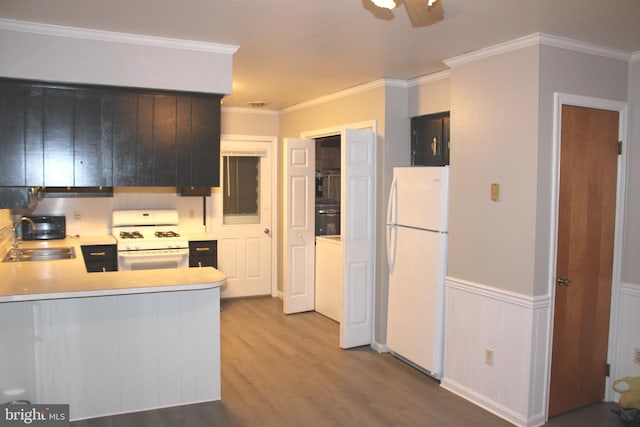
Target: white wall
column 631, row 266
column 63, row 54
column 494, row 119
column 249, row 121
column 628, row 331
column 430, row 94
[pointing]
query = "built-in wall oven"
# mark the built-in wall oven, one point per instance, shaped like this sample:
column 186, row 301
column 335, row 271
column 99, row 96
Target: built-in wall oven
column 149, row 239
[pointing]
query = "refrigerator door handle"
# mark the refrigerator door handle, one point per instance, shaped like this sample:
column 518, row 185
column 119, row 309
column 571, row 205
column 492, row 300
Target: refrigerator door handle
column 392, row 246
column 392, row 216
column 392, row 203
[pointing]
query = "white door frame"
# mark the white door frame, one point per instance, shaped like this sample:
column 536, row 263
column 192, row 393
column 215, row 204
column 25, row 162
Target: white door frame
column 622, row 108
column 273, row 140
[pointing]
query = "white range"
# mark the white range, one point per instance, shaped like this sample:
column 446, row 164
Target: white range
column 149, row 239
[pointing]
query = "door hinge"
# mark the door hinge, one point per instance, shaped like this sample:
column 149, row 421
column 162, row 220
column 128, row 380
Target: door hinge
column 607, row 370
column 619, row 147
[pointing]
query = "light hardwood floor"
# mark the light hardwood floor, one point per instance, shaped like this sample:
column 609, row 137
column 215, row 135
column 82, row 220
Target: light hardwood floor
column 280, row 370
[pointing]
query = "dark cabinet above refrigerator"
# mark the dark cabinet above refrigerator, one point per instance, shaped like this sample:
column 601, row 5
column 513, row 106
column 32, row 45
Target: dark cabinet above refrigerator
column 430, row 140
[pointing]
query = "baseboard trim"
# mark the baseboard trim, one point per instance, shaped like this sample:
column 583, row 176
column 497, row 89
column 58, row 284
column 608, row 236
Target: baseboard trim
column 380, row 348
column 483, row 402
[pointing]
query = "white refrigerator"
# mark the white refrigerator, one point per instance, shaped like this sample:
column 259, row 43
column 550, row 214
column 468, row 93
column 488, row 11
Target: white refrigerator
column 417, row 242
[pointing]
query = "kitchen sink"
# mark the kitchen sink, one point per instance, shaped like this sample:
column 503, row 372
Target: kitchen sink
column 40, row 254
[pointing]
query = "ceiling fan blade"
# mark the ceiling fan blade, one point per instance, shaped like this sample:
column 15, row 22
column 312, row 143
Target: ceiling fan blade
column 421, row 14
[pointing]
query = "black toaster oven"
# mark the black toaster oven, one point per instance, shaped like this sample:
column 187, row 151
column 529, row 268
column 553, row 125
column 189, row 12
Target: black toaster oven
column 47, row 227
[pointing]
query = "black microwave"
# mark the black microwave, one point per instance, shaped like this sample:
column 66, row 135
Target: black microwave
column 47, row 227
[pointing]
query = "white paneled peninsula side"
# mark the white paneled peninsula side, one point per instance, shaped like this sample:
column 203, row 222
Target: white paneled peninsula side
column 109, row 342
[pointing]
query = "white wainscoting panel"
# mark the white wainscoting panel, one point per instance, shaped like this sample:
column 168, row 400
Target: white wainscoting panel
column 117, row 354
column 628, row 332
column 514, row 327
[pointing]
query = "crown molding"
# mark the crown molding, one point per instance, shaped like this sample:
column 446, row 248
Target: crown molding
column 535, row 40
column 344, row 93
column 114, row 37
column 430, row 78
column 249, row 110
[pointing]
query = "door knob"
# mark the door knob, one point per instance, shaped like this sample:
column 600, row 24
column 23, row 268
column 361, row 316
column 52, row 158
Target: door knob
column 267, row 231
column 563, row 281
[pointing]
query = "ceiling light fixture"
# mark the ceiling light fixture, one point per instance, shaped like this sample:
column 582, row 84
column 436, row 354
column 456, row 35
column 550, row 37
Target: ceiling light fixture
column 387, row 4
column 390, row 4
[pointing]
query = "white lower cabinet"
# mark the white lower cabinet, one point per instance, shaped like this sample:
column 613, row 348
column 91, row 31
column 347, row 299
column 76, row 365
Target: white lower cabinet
column 17, row 377
column 329, row 266
column 115, row 354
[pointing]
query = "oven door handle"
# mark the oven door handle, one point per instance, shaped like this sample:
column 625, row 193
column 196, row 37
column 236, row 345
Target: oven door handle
column 142, row 254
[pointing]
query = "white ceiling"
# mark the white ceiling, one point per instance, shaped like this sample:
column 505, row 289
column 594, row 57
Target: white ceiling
column 293, row 51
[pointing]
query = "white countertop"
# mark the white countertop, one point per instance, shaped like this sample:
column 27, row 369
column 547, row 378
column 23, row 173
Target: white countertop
column 68, row 278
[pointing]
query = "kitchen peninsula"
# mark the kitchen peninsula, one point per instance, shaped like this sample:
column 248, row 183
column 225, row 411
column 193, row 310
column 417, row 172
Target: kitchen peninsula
column 108, row 342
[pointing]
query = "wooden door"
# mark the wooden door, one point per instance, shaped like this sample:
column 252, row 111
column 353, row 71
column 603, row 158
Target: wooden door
column 299, row 225
column 584, row 265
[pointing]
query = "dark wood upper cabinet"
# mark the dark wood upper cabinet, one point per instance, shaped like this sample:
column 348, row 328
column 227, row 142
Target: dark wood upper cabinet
column 93, row 136
column 430, row 140
column 12, row 149
column 204, row 165
column 59, row 135
column 125, row 137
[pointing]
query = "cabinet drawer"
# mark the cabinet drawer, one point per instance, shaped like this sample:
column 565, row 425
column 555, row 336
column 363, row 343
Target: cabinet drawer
column 100, row 257
column 203, row 253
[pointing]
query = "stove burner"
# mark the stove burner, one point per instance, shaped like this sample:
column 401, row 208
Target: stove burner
column 166, row 234
column 131, row 235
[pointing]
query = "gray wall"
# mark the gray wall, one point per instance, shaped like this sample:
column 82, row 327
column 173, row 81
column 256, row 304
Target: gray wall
column 630, row 264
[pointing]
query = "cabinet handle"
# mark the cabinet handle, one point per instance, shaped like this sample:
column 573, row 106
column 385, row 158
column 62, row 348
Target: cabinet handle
column 205, row 249
column 434, row 146
column 97, row 254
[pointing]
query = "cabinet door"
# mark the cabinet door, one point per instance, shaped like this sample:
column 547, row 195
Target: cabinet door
column 144, row 141
column 445, row 140
column 12, row 139
column 165, row 144
column 428, row 147
column 92, row 136
column 125, row 138
column 205, row 141
column 100, row 258
column 34, row 131
column 58, row 136
column 203, row 253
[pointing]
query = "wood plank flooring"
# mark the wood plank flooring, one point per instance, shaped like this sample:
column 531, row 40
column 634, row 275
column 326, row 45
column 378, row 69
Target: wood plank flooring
column 280, row 370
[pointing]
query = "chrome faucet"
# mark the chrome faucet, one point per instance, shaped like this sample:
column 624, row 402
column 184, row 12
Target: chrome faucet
column 14, row 246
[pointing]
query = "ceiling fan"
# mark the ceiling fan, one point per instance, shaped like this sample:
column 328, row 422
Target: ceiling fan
column 421, row 12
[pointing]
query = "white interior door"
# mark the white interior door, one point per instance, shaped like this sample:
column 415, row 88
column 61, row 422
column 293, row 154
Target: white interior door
column 242, row 217
column 358, row 236
column 299, row 230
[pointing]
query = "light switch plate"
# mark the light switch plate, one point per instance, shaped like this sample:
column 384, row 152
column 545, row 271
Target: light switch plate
column 495, row 192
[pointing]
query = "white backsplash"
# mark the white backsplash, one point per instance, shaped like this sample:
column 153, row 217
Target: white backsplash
column 6, row 236
column 92, row 215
